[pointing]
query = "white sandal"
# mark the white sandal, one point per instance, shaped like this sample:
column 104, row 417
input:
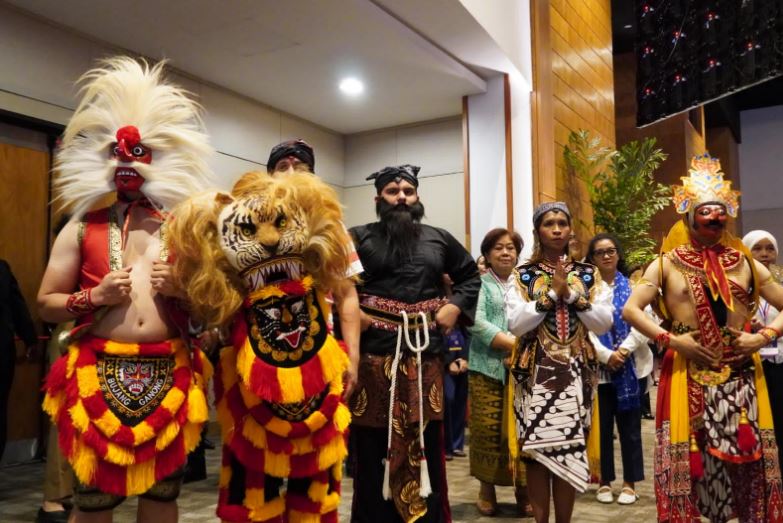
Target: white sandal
column 627, row 496
column 604, row 494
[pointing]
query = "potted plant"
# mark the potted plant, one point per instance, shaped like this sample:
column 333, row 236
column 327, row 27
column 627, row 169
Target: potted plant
column 622, row 189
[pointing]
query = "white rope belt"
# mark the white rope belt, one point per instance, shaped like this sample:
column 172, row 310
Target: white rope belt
column 425, row 489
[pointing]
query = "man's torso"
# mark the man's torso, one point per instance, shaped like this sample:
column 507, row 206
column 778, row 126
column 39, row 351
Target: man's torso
column 140, row 318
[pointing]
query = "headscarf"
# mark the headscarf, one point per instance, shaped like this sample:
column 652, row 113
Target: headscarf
column 550, row 206
column 297, row 148
column 753, row 237
column 390, row 174
column 625, row 382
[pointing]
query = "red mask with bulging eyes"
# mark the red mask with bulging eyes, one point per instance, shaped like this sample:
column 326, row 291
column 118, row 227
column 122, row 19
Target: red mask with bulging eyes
column 709, row 222
column 128, row 149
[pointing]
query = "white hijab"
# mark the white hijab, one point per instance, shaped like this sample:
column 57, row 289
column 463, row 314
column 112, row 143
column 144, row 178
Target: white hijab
column 753, row 237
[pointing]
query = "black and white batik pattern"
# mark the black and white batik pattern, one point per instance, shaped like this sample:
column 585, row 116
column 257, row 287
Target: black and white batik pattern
column 551, row 419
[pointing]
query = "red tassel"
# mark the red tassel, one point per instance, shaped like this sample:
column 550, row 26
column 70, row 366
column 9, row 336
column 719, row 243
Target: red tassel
column 746, row 440
column 697, row 466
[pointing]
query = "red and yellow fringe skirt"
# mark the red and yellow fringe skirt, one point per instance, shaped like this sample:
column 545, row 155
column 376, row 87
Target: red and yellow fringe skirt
column 258, row 443
column 116, row 441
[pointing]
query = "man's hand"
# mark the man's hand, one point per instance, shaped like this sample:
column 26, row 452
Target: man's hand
column 447, row 317
column 364, row 321
column 162, row 280
column 560, row 280
column 350, row 378
column 687, row 345
column 454, row 368
column 463, row 365
column 616, row 361
column 114, row 288
column 745, row 344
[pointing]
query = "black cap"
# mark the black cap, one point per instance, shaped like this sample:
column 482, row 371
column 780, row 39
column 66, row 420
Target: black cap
column 386, row 175
column 297, row 148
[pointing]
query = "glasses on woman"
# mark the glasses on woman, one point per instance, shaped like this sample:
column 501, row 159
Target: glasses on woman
column 602, row 253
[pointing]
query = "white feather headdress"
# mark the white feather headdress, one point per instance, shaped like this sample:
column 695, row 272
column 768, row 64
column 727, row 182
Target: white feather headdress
column 122, row 92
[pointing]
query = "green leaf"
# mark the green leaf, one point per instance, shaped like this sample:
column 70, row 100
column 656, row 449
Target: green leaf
column 622, row 189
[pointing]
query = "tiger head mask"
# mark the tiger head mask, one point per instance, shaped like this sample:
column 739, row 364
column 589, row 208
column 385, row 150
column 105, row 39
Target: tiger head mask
column 268, row 231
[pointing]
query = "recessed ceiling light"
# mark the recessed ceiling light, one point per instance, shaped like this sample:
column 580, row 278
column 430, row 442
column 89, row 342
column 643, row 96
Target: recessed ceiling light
column 352, row 86
column 627, row 26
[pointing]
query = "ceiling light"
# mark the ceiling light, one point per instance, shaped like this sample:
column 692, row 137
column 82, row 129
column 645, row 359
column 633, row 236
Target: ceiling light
column 627, row 26
column 352, row 86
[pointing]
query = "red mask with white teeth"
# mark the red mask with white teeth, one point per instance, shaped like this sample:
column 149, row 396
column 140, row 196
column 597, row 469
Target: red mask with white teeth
column 128, row 151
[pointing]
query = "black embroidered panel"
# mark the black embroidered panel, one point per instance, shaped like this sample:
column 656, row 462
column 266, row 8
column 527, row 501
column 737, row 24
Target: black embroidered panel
column 134, row 386
column 298, row 411
column 535, row 279
column 287, row 331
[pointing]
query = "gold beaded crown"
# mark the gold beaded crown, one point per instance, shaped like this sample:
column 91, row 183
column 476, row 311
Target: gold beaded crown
column 705, row 184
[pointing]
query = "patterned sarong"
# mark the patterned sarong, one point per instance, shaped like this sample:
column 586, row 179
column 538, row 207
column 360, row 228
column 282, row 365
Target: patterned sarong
column 553, row 409
column 127, row 413
column 489, row 456
column 734, row 484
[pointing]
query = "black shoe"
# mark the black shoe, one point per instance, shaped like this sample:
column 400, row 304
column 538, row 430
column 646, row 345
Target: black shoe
column 449, row 457
column 648, row 415
column 208, row 444
column 459, row 453
column 58, row 516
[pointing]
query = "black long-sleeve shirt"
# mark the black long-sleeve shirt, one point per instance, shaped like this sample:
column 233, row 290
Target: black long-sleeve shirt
column 14, row 314
column 418, row 279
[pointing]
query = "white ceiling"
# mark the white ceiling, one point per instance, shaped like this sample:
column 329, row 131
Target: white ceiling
column 292, row 54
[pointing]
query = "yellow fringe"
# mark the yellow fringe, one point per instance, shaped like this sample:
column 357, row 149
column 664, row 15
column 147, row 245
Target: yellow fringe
column 330, row 503
column 191, row 434
column 87, row 378
column 84, row 462
column 317, row 491
column 254, row 433
column 108, row 423
column 337, row 472
column 225, row 477
column 117, row 348
column 53, row 403
column 315, row 421
column 268, row 510
column 278, row 426
column 248, row 398
column 254, row 498
column 167, row 435
column 142, row 433
column 331, row 453
column 173, row 400
column 333, row 360
column 73, row 354
column 119, row 455
column 342, row 417
column 79, row 416
column 290, row 381
column 225, row 420
column 277, row 465
column 197, row 405
column 140, row 477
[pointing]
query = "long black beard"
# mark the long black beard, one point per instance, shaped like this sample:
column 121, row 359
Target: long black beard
column 402, row 225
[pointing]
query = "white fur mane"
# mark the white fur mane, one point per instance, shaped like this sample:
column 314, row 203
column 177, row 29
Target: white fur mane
column 125, row 92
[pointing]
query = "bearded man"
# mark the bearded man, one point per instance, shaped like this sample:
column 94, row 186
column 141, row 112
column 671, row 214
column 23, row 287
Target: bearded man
column 398, row 405
column 715, row 452
column 128, row 396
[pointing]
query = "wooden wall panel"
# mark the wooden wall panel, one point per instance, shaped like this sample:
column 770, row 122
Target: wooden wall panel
column 582, row 90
